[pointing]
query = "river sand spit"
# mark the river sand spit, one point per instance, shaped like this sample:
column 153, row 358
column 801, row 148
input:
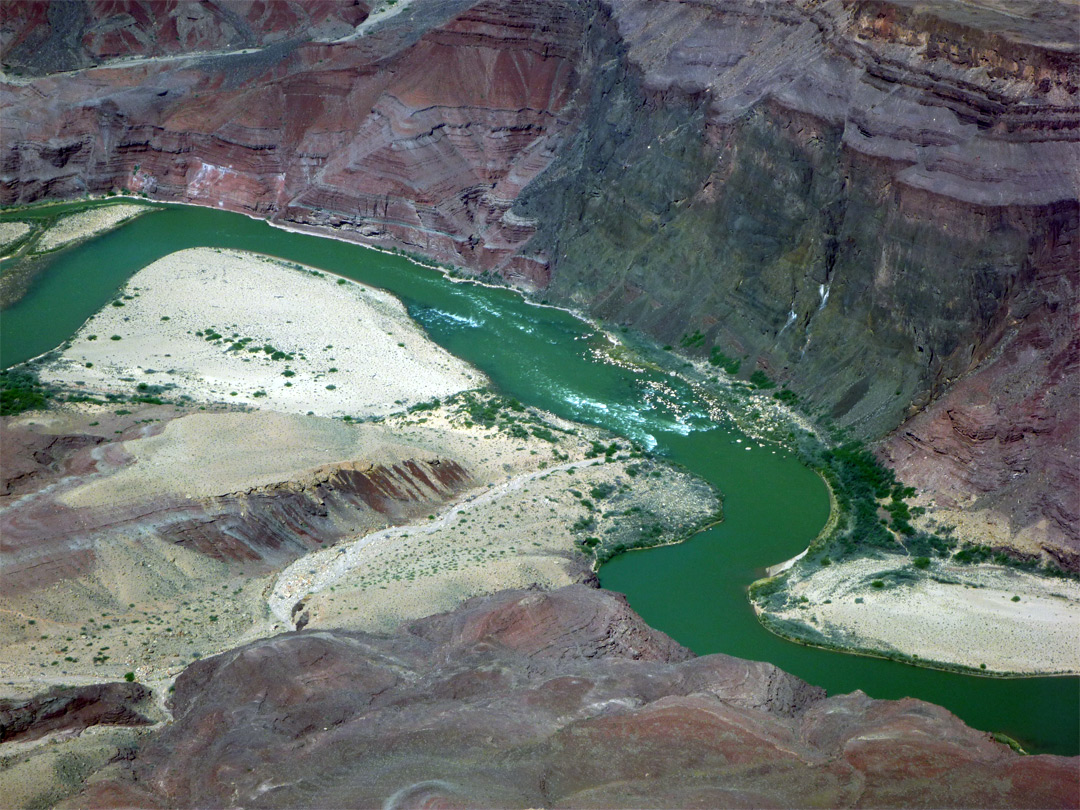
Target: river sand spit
column 11, row 232
column 226, row 326
column 956, row 614
column 88, row 223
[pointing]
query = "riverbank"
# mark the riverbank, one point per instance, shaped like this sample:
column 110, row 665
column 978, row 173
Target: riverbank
column 539, row 529
column 85, row 224
column 985, row 619
column 212, row 325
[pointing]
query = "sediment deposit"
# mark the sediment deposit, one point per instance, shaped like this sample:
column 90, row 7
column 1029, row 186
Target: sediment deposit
column 983, row 618
column 226, row 326
column 83, row 225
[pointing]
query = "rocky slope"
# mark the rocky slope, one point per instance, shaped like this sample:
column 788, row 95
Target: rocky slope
column 73, row 709
column 566, row 699
column 874, row 201
column 46, row 540
column 39, row 38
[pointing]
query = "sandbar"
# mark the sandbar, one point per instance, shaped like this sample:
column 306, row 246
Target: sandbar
column 87, row 223
column 11, row 232
column 226, row 326
column 982, row 617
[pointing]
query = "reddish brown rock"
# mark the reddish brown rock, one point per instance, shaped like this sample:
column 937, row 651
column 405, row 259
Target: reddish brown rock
column 74, row 709
column 423, row 142
column 561, row 699
column 41, row 37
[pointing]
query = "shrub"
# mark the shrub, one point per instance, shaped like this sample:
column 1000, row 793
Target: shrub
column 759, row 380
column 20, row 390
column 129, row 677
column 689, row 341
column 730, row 364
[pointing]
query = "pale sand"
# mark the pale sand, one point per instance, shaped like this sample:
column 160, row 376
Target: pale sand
column 969, row 623
column 11, row 232
column 517, row 534
column 87, row 223
column 354, row 349
column 204, row 455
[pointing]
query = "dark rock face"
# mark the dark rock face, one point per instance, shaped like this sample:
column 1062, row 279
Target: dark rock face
column 863, row 201
column 73, row 709
column 568, row 699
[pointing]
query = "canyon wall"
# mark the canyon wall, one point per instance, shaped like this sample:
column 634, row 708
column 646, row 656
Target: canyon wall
column 872, row 201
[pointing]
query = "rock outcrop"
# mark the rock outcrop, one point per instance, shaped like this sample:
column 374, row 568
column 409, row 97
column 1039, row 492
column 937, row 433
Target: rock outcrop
column 259, row 528
column 527, row 699
column 74, row 709
column 874, row 201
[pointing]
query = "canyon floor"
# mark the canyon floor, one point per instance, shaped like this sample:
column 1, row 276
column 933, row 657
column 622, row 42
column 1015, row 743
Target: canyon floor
column 141, row 535
column 194, row 497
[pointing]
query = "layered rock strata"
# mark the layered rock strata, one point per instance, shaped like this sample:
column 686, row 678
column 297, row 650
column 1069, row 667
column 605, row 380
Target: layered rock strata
column 874, row 201
column 46, row 541
column 568, row 699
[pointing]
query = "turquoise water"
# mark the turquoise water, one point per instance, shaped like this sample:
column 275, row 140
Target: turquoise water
column 545, row 357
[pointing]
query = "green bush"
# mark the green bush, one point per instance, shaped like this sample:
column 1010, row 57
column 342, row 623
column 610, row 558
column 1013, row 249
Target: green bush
column 20, row 390
column 689, row 341
column 760, row 380
column 730, row 364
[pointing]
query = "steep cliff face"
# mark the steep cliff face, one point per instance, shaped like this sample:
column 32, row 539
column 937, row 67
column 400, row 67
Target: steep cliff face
column 419, row 135
column 873, row 201
column 562, row 699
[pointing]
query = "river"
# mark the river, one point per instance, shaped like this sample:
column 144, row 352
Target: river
column 695, row 591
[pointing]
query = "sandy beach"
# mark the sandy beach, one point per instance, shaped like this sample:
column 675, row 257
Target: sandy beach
column 11, row 232
column 226, row 326
column 86, row 224
column 985, row 617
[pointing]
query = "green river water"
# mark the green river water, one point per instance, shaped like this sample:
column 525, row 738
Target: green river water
column 695, row 591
